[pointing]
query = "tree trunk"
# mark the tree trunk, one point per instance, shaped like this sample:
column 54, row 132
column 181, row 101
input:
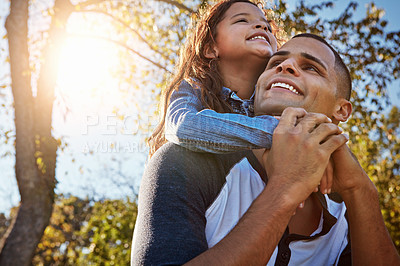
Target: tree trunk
column 35, row 148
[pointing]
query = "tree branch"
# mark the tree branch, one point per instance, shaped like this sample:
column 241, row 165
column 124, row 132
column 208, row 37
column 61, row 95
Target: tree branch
column 124, row 46
column 89, row 3
column 178, row 5
column 128, row 27
column 171, row 2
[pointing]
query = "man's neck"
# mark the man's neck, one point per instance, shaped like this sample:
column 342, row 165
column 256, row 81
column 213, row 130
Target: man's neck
column 259, row 154
column 306, row 220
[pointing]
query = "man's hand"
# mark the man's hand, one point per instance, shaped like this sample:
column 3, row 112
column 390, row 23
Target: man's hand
column 301, row 147
column 325, row 185
column 349, row 175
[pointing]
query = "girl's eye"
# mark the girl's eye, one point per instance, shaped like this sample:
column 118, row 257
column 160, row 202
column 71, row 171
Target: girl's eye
column 241, row 20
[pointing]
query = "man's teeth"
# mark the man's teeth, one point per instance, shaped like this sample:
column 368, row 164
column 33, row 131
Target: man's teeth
column 259, row 37
column 286, row 86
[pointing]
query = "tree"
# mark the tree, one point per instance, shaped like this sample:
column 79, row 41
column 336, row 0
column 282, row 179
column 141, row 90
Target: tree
column 35, row 147
column 368, row 49
column 34, row 144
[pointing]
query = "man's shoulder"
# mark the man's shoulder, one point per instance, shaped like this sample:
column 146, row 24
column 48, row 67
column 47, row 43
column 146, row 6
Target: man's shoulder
column 172, row 152
column 175, row 166
column 175, row 156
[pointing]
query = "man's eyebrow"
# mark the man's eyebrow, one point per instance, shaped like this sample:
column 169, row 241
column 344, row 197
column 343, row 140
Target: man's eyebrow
column 280, row 53
column 313, row 58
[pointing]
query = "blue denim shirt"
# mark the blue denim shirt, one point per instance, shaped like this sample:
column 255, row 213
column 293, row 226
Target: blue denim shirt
column 190, row 125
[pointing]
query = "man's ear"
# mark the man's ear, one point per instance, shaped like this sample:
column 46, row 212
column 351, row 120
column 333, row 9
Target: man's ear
column 343, row 109
column 211, row 51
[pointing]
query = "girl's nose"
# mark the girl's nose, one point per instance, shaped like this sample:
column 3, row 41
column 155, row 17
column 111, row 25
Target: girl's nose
column 261, row 25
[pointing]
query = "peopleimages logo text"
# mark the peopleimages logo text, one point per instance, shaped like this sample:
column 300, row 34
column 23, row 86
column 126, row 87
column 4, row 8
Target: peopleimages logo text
column 114, row 147
column 114, row 124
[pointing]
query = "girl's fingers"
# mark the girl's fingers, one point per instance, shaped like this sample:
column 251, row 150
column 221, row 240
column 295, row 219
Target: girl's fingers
column 329, row 176
column 334, row 142
column 312, row 121
column 324, row 182
column 327, row 179
column 290, row 116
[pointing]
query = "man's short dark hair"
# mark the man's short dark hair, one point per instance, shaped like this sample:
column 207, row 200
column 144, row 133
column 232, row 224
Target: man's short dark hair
column 342, row 72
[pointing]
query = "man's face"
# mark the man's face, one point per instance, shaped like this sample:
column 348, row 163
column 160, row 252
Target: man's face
column 300, row 74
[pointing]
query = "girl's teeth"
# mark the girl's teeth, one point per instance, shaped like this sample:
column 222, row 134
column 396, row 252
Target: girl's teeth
column 258, row 37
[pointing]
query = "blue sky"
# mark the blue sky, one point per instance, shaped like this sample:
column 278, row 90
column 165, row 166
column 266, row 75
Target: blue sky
column 128, row 157
column 391, row 7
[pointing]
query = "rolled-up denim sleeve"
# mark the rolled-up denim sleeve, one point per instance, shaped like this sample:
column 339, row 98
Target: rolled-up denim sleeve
column 189, row 125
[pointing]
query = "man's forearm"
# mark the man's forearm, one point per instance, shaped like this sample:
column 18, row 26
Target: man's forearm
column 370, row 240
column 257, row 234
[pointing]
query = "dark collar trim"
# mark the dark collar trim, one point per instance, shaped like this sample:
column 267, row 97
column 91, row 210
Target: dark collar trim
column 328, row 221
column 257, row 166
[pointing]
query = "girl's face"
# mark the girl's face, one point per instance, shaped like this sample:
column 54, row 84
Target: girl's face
column 244, row 33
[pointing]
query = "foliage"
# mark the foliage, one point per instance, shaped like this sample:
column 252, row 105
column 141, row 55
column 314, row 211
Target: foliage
column 110, row 233
column 84, row 232
column 152, row 31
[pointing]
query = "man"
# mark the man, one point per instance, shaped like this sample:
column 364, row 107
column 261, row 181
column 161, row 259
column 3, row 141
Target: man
column 208, row 209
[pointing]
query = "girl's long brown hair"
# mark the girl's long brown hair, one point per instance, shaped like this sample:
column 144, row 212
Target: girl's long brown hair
column 194, row 67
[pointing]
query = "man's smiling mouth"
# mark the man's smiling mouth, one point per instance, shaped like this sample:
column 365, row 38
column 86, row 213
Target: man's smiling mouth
column 285, row 86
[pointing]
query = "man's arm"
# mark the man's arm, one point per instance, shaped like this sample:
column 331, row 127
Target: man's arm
column 295, row 165
column 255, row 237
column 170, row 224
column 370, row 240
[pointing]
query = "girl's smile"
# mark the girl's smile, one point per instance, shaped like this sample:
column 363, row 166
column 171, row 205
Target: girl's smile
column 244, row 32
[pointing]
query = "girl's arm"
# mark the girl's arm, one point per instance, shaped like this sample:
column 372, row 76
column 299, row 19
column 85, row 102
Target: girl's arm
column 189, row 125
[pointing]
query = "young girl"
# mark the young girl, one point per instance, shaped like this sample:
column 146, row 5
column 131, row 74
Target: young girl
column 214, row 83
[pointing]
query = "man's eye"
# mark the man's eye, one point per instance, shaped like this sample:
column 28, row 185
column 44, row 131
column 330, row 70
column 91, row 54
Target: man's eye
column 272, row 64
column 311, row 68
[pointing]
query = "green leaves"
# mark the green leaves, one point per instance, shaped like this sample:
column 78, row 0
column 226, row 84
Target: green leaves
column 83, row 232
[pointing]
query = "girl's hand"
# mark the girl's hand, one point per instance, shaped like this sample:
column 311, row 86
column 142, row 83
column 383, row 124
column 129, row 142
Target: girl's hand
column 326, row 182
column 349, row 175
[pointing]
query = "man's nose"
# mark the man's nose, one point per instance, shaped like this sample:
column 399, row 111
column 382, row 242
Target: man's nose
column 288, row 66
